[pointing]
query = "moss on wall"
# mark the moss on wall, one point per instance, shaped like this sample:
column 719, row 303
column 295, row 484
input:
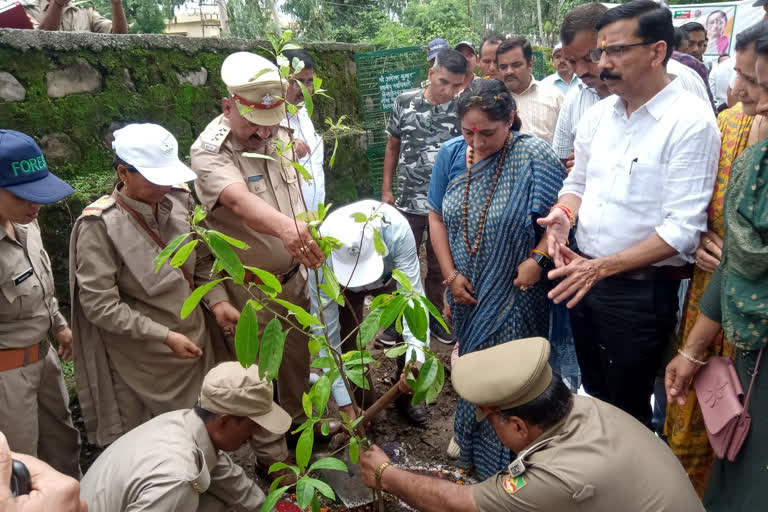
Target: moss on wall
column 140, row 84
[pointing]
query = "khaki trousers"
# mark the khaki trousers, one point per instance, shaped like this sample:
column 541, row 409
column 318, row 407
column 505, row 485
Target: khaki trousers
column 35, row 416
column 293, row 379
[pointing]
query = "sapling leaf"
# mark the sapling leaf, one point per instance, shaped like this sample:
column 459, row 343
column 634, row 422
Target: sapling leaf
column 433, row 311
column 320, row 393
column 354, row 450
column 169, row 249
column 399, row 276
column 396, row 351
column 304, row 447
column 196, row 296
column 305, row 174
column 268, row 278
column 427, row 375
column 322, row 487
column 231, row 241
column 272, row 498
column 247, row 336
column 378, row 243
column 199, row 214
column 258, row 155
column 226, row 256
column 304, row 493
column 437, row 384
column 304, row 318
column 308, row 103
column 328, row 463
column 417, row 319
column 359, row 217
column 271, row 351
column 391, row 310
column 182, row 254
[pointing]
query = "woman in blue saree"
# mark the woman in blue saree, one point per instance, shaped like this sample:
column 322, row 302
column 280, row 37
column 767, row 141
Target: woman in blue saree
column 488, row 188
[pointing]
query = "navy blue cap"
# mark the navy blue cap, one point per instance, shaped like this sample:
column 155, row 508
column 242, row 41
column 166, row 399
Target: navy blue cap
column 24, row 173
column 435, row 46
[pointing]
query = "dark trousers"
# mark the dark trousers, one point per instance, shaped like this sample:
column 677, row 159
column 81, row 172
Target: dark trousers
column 350, row 316
column 433, row 284
column 621, row 329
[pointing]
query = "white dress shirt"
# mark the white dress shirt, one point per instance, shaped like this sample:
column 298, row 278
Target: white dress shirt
column 720, row 80
column 538, row 107
column 651, row 173
column 314, row 191
column 576, row 104
column 689, row 79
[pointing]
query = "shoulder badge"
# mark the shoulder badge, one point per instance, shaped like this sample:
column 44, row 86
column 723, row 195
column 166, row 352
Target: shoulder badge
column 512, row 484
column 197, row 487
column 98, row 206
column 212, row 138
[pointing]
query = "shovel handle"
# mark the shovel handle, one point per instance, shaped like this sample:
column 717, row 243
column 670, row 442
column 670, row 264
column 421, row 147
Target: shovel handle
column 384, row 400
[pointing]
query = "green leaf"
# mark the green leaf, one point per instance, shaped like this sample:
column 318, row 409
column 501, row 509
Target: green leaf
column 308, row 104
column 277, row 466
column 317, row 83
column 304, row 318
column 227, row 257
column 258, row 155
column 417, row 319
column 304, row 447
column 354, row 450
column 305, row 174
column 282, row 61
column 314, row 345
column 291, row 46
column 357, row 376
column 297, row 65
column 196, row 296
column 378, row 243
column 396, row 351
column 273, row 498
column 306, row 402
column 323, row 487
column 199, row 214
column 257, row 75
column 328, row 463
column 304, row 493
column 370, row 326
column 359, row 217
column 325, row 429
column 275, row 46
column 427, row 375
column 247, row 336
column 231, row 241
column 169, row 249
column 182, row 254
column 333, row 155
column 391, row 310
column 358, row 357
column 401, row 278
column 322, row 362
column 287, row 36
column 379, row 300
column 276, row 482
column 307, row 216
column 433, row 311
column 271, row 352
column 315, row 504
column 320, row 393
column 437, row 385
column 267, row 278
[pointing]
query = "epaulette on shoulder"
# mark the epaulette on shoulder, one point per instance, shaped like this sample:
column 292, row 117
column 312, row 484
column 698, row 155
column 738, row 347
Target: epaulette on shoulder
column 98, row 206
column 213, row 137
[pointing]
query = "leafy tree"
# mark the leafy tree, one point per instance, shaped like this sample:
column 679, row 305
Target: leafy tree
column 249, row 19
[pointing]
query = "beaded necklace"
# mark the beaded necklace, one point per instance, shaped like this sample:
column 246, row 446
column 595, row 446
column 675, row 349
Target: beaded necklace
column 465, row 216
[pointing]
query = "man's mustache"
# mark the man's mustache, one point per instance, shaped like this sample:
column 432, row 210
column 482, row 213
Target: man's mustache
column 607, row 75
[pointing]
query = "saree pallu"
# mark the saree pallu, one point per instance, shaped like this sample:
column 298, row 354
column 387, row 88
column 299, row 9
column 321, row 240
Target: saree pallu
column 684, row 427
column 527, row 188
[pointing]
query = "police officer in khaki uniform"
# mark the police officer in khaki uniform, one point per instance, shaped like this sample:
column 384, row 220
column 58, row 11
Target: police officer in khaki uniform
column 256, row 200
column 135, row 357
column 176, row 462
column 34, row 413
column 574, row 453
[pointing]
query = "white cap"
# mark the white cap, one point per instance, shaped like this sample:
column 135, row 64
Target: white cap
column 358, row 253
column 154, row 152
column 256, row 86
column 558, row 46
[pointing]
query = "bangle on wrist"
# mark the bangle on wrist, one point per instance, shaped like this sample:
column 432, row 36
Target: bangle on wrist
column 691, row 358
column 567, row 211
column 451, row 279
column 380, row 473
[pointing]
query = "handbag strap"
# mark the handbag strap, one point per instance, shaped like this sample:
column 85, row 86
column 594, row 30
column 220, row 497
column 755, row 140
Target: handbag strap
column 752, row 383
column 138, row 218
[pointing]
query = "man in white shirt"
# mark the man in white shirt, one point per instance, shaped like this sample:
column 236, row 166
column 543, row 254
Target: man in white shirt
column 488, row 48
column 720, row 80
column 645, row 164
column 563, row 79
column 303, row 130
column 537, row 105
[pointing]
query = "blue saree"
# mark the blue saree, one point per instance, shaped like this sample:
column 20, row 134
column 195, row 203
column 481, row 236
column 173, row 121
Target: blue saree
column 527, row 188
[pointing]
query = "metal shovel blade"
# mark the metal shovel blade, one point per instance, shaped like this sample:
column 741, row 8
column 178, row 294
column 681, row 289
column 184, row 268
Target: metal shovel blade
column 348, row 486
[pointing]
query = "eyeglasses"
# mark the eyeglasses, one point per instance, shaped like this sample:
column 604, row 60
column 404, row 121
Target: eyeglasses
column 616, row 50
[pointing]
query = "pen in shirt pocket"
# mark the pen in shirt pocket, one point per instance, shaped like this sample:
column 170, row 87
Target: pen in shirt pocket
column 633, row 162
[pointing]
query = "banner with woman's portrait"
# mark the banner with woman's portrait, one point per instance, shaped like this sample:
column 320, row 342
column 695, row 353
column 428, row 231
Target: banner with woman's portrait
column 722, row 21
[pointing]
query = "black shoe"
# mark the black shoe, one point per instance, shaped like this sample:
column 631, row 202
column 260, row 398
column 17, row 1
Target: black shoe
column 440, row 334
column 416, row 414
column 388, row 337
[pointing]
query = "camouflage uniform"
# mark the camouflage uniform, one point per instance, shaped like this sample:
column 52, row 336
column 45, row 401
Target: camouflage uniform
column 421, row 128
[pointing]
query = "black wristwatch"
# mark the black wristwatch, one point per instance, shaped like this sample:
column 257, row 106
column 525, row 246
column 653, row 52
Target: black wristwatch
column 544, row 262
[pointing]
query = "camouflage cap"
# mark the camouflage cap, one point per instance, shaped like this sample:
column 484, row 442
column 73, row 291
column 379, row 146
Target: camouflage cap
column 504, row 376
column 256, row 86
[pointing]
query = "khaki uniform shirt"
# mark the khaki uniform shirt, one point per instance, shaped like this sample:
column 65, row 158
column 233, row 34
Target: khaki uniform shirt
column 122, row 311
column 168, row 464
column 73, row 19
column 28, row 306
column 218, row 161
column 598, row 459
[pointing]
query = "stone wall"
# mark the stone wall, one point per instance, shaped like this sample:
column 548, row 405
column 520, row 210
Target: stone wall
column 70, row 91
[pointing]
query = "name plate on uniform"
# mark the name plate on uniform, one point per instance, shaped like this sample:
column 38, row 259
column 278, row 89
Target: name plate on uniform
column 23, row 276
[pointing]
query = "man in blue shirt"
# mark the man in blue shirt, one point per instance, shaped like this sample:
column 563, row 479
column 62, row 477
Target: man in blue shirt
column 363, row 272
column 564, row 79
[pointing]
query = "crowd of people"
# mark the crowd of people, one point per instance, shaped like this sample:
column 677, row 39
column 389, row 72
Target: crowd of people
column 564, row 221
